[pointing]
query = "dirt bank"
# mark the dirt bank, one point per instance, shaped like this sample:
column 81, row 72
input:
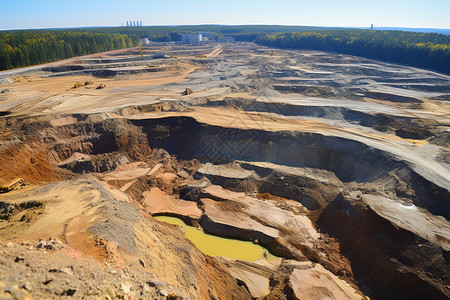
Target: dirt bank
column 337, row 164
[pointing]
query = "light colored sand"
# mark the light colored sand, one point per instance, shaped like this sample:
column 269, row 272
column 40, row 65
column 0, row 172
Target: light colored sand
column 157, row 202
column 318, row 283
column 412, row 218
column 127, row 172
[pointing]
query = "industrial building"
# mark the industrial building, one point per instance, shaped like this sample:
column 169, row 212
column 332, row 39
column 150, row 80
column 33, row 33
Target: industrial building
column 191, row 38
column 207, row 36
column 197, row 38
column 134, row 23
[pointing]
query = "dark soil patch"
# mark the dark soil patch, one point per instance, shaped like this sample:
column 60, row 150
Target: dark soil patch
column 391, row 97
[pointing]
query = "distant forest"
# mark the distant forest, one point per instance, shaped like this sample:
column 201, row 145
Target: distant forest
column 21, row 48
column 426, row 50
column 173, row 33
column 32, row 47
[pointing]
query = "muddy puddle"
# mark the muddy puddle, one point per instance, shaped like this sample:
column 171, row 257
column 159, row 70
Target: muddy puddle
column 218, row 246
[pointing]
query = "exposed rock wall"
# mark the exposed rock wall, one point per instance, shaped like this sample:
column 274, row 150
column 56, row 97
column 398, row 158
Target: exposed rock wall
column 349, row 160
column 394, row 263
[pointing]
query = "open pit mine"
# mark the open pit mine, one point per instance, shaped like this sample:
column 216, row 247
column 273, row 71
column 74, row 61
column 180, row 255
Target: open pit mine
column 224, row 171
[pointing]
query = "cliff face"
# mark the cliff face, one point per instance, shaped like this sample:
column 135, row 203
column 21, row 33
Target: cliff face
column 397, row 263
column 375, row 169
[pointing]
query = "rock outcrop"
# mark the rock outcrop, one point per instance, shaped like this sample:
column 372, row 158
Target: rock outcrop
column 384, row 252
column 314, row 282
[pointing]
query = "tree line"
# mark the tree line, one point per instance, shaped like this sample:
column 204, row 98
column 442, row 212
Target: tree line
column 173, row 33
column 32, row 47
column 425, row 50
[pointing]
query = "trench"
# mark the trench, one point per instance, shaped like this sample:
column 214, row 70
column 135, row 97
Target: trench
column 349, row 160
column 187, row 139
column 218, row 246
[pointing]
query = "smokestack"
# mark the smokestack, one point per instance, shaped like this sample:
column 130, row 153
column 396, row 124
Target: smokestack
column 140, row 23
column 127, row 24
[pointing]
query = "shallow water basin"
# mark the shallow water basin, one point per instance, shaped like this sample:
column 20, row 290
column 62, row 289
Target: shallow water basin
column 218, row 246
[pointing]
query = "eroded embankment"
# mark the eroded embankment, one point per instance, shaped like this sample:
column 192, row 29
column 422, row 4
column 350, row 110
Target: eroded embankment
column 311, row 168
column 396, row 263
column 37, row 146
column 402, row 126
column 350, row 160
column 90, row 220
column 363, row 233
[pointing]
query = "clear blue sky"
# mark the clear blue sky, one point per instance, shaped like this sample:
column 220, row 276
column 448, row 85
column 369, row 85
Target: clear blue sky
column 22, row 14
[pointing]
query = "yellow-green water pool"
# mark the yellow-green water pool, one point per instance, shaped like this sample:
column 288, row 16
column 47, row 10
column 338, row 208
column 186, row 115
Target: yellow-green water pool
column 218, row 246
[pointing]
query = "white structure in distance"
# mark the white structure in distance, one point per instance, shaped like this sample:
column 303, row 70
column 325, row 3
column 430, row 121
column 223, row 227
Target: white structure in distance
column 197, row 38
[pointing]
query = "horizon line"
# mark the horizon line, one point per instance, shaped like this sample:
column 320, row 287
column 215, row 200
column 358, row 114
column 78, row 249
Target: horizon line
column 181, row 25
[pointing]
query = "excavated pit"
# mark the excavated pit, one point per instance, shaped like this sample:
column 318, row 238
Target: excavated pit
column 311, row 168
column 349, row 160
column 186, row 138
column 332, row 162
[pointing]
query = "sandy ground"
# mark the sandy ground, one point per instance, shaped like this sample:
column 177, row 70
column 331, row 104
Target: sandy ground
column 337, row 92
column 305, row 91
column 158, row 202
column 401, row 111
column 227, row 71
column 128, row 172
